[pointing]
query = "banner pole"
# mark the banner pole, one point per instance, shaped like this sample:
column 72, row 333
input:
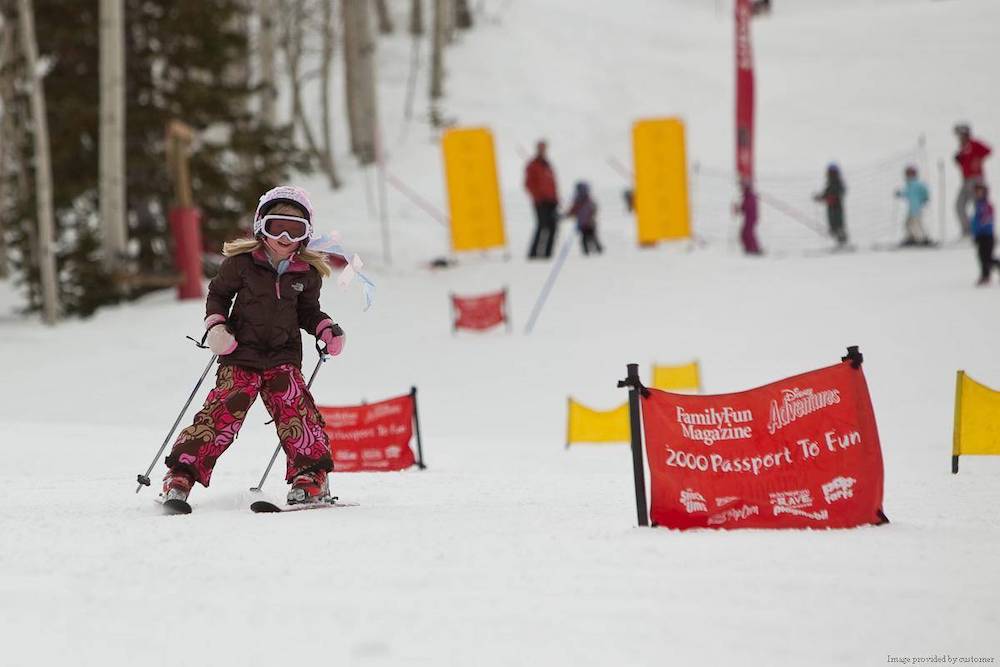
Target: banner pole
column 454, row 315
column 506, row 309
column 957, row 432
column 569, row 418
column 635, row 387
column 416, row 428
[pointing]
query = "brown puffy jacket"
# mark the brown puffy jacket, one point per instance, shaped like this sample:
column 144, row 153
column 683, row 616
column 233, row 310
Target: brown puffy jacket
column 269, row 308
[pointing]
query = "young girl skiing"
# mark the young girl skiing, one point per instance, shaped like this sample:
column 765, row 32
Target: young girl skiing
column 275, row 280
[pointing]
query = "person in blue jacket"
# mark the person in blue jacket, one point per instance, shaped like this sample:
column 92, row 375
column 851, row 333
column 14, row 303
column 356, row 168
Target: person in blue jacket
column 916, row 195
column 981, row 226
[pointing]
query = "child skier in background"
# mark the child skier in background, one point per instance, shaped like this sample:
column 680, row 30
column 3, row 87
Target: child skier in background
column 981, row 226
column 276, row 283
column 916, row 196
column 833, row 196
column 585, row 210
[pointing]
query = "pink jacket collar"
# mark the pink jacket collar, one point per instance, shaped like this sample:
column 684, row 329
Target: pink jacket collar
column 295, row 266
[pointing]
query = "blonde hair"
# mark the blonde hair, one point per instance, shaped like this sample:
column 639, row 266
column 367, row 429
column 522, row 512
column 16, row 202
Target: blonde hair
column 311, row 257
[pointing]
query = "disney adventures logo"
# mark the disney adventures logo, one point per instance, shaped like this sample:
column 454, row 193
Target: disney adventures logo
column 796, row 403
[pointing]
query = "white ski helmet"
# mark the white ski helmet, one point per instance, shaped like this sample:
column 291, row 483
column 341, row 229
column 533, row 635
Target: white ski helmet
column 283, row 194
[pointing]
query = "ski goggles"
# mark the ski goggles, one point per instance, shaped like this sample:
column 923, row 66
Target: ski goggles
column 288, row 227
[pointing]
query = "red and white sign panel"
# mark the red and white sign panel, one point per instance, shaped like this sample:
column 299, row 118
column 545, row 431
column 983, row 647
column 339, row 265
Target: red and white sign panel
column 799, row 453
column 373, row 437
column 480, row 312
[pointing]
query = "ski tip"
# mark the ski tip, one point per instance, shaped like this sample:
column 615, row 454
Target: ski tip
column 264, row 507
column 176, row 507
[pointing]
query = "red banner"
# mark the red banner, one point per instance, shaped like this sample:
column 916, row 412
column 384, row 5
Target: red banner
column 744, row 92
column 800, row 453
column 373, row 437
column 480, row 312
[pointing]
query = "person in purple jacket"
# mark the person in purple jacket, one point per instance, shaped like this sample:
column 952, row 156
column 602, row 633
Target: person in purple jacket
column 585, row 210
column 748, row 209
column 981, row 226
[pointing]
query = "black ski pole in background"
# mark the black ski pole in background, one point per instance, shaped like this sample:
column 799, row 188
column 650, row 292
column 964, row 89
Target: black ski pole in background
column 144, row 479
column 323, row 356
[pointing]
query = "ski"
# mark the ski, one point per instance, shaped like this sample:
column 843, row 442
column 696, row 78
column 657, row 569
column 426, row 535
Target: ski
column 175, row 506
column 267, row 507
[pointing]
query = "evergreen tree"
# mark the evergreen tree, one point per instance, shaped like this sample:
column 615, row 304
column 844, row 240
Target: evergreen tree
column 180, row 58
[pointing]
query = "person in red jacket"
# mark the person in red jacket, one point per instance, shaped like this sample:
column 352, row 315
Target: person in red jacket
column 970, row 156
column 540, row 182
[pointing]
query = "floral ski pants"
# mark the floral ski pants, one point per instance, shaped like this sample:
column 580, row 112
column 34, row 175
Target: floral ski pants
column 287, row 398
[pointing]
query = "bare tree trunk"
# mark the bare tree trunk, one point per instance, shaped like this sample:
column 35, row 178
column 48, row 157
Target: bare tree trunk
column 294, row 25
column 294, row 21
column 416, row 17
column 384, row 17
column 8, row 136
column 265, row 52
column 437, row 49
column 463, row 14
column 449, row 21
column 359, row 48
column 112, row 134
column 350, row 72
column 326, row 67
column 43, row 166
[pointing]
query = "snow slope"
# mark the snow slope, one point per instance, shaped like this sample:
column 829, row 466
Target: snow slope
column 510, row 549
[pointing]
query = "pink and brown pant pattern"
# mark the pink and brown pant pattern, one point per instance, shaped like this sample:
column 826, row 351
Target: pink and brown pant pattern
column 298, row 422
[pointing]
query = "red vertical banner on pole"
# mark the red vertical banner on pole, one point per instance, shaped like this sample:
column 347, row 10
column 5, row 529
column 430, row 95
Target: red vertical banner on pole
column 744, row 92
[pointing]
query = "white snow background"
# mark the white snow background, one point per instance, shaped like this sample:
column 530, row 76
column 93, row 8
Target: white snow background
column 509, row 549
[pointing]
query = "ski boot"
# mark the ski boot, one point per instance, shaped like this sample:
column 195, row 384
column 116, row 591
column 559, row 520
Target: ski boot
column 176, row 486
column 309, row 487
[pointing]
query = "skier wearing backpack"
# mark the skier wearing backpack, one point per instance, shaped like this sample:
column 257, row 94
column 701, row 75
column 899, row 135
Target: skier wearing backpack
column 275, row 281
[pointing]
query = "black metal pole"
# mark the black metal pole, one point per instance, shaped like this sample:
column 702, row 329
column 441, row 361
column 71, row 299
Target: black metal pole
column 144, row 479
column 506, row 309
column 416, row 428
column 954, row 465
column 854, row 356
column 454, row 315
column 322, row 357
column 635, row 387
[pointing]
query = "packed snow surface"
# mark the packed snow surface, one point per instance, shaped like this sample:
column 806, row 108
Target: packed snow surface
column 510, row 549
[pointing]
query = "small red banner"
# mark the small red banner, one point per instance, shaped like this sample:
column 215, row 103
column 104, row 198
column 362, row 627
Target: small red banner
column 480, row 312
column 799, row 453
column 373, row 437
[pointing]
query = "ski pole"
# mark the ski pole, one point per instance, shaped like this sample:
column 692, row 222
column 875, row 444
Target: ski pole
column 550, row 281
column 323, row 356
column 144, row 479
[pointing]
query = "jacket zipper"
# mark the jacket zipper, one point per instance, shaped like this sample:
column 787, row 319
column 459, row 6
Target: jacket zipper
column 277, row 290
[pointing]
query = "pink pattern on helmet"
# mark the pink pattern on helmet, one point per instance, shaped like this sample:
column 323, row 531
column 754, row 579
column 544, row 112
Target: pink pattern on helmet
column 289, row 192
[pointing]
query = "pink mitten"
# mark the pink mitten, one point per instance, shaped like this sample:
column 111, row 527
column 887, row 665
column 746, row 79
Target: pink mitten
column 220, row 340
column 332, row 335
